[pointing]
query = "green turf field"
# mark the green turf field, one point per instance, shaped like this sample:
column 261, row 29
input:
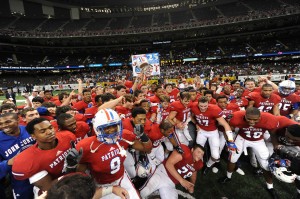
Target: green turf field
column 248, row 186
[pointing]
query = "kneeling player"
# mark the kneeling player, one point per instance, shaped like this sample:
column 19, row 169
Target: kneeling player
column 178, row 168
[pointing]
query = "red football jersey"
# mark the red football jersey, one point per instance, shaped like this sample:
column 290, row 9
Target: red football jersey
column 81, row 106
column 173, row 94
column 154, row 99
column 227, row 113
column 155, row 135
column 212, row 101
column 104, row 160
column 247, row 92
column 121, row 110
column 241, row 102
column 34, row 160
column 128, row 125
column 253, row 133
column 186, row 167
column 207, row 120
column 164, row 112
column 183, row 113
column 264, row 104
column 284, row 122
column 288, row 103
column 91, row 112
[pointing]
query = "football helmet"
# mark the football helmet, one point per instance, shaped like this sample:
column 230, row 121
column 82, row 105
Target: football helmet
column 143, row 167
column 284, row 174
column 280, row 169
column 287, row 87
column 106, row 118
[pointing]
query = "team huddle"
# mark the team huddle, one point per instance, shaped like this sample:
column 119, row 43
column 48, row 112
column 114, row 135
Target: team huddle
column 132, row 141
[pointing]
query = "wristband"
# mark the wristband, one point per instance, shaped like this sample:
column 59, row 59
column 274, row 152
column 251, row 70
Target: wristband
column 229, row 136
column 106, row 190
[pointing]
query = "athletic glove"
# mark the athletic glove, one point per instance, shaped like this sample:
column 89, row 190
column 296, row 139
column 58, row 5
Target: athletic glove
column 231, row 146
column 73, row 157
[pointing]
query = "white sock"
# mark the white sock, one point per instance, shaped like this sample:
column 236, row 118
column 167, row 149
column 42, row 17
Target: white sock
column 229, row 174
column 210, row 162
column 298, row 190
column 270, row 186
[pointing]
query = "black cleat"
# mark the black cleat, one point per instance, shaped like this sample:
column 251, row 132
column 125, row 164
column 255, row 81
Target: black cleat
column 273, row 193
column 205, row 170
column 224, row 180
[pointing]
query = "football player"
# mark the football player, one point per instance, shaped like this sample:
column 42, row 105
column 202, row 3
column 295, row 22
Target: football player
column 14, row 139
column 180, row 116
column 43, row 162
column 177, row 169
column 252, row 125
column 105, row 153
column 266, row 100
column 206, row 117
column 288, row 105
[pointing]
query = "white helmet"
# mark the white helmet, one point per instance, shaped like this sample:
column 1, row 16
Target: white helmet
column 103, row 119
column 143, row 167
column 287, row 87
column 284, row 175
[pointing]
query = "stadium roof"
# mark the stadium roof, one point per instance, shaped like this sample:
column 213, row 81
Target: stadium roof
column 118, row 3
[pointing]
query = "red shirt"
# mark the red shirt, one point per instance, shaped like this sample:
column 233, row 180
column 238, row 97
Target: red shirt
column 155, row 135
column 247, row 92
column 207, row 120
column 164, row 113
column 267, row 122
column 212, row 101
column 106, row 163
column 52, row 99
column 264, row 104
column 173, row 94
column 241, row 102
column 154, row 99
column 185, row 167
column 129, row 126
column 91, row 112
column 284, row 122
column 121, row 110
column 183, row 113
column 288, row 103
column 81, row 106
column 230, row 108
column 34, row 160
column 227, row 113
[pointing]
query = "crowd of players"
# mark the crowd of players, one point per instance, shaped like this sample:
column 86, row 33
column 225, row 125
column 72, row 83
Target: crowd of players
column 130, row 141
